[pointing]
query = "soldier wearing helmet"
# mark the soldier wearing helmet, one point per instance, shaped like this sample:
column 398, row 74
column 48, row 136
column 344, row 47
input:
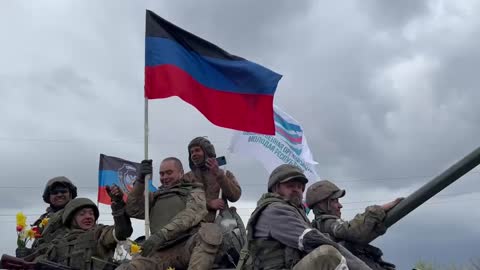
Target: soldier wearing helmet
column 280, row 236
column 85, row 244
column 204, row 169
column 323, row 198
column 57, row 193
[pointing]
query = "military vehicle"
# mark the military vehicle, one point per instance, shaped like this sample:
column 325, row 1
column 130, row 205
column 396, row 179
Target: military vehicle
column 406, row 206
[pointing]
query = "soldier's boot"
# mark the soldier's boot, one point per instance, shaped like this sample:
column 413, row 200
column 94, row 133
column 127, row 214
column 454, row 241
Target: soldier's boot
column 324, row 257
column 206, row 247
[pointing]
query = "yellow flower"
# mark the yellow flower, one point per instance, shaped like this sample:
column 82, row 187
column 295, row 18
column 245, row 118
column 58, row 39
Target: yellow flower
column 21, row 220
column 30, row 234
column 134, row 249
column 44, row 222
column 170, row 268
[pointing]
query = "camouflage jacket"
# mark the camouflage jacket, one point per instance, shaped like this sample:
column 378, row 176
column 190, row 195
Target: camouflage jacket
column 52, row 230
column 81, row 249
column 356, row 234
column 48, row 212
column 226, row 181
column 172, row 221
column 362, row 229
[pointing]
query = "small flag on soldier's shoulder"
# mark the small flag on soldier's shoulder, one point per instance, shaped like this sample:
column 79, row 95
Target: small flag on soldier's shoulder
column 116, row 171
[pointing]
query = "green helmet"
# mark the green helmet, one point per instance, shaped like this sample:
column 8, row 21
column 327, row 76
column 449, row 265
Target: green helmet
column 59, row 180
column 76, row 204
column 322, row 190
column 285, row 173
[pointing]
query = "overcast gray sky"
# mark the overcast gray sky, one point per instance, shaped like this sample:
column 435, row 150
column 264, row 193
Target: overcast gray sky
column 385, row 90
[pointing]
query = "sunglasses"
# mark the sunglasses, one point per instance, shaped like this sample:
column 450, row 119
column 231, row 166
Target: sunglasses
column 57, row 191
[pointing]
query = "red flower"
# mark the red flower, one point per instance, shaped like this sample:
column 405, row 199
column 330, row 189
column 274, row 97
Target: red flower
column 36, row 230
column 19, row 228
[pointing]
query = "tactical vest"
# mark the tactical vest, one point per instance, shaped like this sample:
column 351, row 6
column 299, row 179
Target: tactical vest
column 263, row 254
column 52, row 230
column 168, row 203
column 77, row 249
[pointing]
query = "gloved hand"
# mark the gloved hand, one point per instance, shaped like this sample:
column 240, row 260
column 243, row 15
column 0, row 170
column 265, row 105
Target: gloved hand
column 154, row 242
column 145, row 169
column 115, row 193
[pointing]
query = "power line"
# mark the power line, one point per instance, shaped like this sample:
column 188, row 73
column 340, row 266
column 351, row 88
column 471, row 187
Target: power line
column 262, row 184
column 448, row 200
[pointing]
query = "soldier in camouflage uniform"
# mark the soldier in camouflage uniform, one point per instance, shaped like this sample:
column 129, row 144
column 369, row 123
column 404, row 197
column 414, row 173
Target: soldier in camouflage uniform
column 57, row 193
column 279, row 233
column 323, row 198
column 204, row 169
column 87, row 245
column 178, row 239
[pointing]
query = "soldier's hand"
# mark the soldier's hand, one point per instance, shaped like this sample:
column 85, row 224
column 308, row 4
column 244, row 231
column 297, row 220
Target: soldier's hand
column 386, row 207
column 212, row 166
column 217, row 204
column 146, row 168
column 115, row 193
column 154, row 242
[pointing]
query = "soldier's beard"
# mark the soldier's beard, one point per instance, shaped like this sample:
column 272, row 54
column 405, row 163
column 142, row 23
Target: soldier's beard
column 295, row 199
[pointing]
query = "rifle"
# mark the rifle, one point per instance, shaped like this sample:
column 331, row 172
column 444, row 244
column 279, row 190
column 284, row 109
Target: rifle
column 11, row 262
column 44, row 265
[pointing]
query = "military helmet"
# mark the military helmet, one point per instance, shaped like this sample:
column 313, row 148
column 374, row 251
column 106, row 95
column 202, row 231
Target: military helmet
column 62, row 180
column 207, row 147
column 285, row 173
column 76, row 204
column 322, row 190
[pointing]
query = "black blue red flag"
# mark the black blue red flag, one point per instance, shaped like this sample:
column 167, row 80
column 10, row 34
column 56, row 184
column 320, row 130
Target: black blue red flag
column 228, row 90
column 116, row 171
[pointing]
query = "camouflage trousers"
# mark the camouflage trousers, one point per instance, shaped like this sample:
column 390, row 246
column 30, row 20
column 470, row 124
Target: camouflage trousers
column 324, row 257
column 196, row 253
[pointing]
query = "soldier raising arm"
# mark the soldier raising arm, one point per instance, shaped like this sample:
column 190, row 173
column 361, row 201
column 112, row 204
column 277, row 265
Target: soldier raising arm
column 280, row 235
column 178, row 239
column 205, row 170
column 84, row 239
column 356, row 234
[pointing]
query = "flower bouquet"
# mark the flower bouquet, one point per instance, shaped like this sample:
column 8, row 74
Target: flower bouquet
column 25, row 233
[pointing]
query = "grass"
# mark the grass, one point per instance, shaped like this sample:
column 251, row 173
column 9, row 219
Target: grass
column 474, row 264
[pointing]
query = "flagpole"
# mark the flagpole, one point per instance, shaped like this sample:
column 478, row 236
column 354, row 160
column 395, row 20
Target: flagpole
column 147, row 177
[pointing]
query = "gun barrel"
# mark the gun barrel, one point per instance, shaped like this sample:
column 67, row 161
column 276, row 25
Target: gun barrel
column 431, row 188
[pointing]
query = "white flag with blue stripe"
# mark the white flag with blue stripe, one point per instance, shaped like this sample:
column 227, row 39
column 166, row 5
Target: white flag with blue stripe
column 289, row 145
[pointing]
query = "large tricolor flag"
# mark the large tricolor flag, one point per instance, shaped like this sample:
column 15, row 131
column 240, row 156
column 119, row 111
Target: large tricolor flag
column 228, row 90
column 114, row 170
column 289, row 145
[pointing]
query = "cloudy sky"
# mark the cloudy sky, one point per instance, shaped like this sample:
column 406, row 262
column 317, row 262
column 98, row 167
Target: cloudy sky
column 385, row 90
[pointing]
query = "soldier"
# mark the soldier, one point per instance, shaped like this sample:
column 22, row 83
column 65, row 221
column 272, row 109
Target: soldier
column 178, row 239
column 279, row 234
column 57, row 193
column 87, row 245
column 323, row 197
column 204, row 169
